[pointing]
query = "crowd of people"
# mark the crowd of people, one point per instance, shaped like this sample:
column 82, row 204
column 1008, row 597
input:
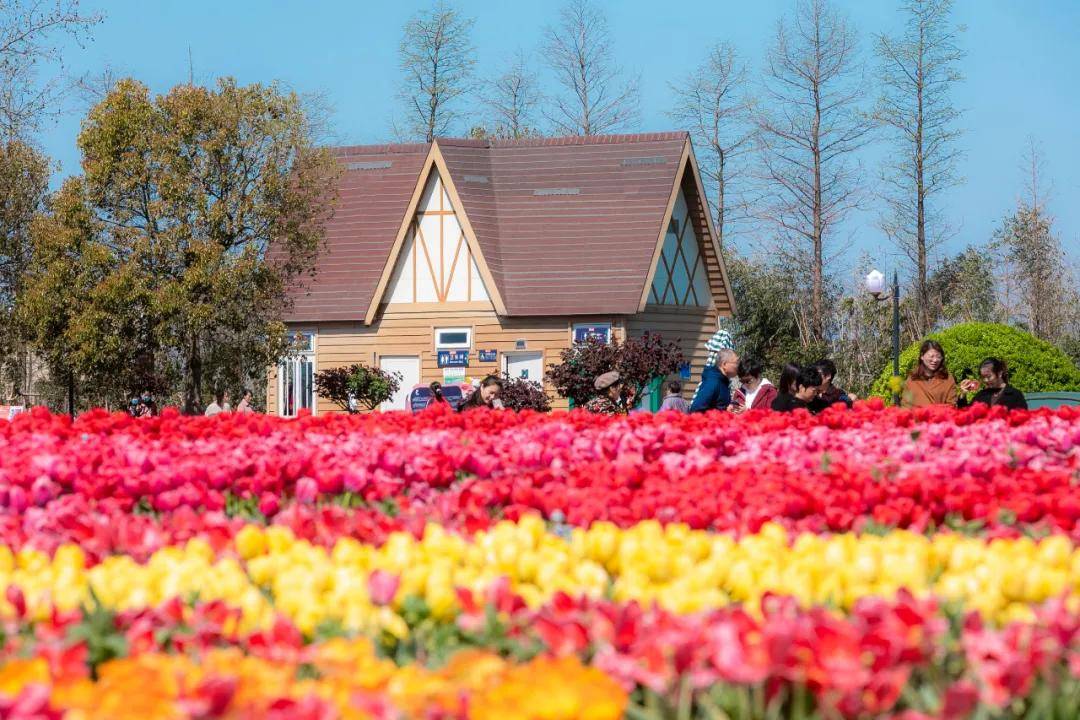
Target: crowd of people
column 737, row 385
column 144, row 405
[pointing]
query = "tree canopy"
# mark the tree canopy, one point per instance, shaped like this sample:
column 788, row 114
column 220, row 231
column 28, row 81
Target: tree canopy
column 166, row 262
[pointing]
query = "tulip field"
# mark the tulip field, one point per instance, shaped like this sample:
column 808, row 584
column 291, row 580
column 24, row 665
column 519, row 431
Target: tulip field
column 872, row 563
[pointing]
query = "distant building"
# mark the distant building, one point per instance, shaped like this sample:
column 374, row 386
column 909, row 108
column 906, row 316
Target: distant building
column 468, row 257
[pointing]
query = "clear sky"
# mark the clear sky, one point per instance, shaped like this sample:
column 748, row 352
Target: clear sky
column 1022, row 73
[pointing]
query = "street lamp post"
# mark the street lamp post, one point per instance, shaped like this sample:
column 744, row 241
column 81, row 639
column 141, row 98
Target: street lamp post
column 875, row 283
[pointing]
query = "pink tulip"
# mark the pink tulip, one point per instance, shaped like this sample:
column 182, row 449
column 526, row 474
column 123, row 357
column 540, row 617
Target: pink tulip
column 383, row 586
column 307, row 490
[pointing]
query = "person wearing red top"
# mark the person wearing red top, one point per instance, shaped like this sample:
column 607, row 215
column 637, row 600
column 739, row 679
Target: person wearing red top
column 755, row 392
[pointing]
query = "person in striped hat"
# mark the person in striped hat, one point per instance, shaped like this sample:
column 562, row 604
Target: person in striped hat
column 721, row 365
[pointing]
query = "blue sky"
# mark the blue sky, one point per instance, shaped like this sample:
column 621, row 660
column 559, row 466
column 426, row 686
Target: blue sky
column 1021, row 74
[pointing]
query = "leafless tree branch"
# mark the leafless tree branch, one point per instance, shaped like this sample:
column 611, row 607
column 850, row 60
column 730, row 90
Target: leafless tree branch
column 595, row 98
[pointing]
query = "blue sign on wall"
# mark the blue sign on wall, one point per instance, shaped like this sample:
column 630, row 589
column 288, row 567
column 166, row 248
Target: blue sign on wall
column 684, row 371
column 488, row 355
column 585, row 332
column 453, row 358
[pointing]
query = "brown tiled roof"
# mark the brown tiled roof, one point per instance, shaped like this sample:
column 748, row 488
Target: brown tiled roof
column 567, row 226
column 374, row 191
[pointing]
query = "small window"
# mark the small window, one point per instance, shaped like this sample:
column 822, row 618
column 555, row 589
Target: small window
column 453, row 338
column 592, row 331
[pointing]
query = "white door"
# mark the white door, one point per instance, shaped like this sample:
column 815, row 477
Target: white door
column 408, row 366
column 525, row 365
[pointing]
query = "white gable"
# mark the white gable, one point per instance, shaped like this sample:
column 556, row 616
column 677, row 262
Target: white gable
column 435, row 264
column 681, row 276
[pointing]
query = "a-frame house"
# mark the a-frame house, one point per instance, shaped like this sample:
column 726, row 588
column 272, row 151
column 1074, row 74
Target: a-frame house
column 461, row 258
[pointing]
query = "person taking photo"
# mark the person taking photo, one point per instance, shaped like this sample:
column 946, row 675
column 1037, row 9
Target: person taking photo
column 996, row 390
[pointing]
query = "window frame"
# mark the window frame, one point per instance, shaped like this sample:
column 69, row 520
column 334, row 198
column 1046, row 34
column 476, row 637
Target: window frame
column 574, row 328
column 300, row 357
column 466, row 345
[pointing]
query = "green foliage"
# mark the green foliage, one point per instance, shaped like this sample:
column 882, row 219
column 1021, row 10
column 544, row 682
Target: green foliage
column 246, row 508
column 357, row 386
column 962, row 288
column 1071, row 347
column 767, row 325
column 98, row 629
column 1034, row 365
column 154, row 270
column 433, row 641
column 24, row 179
column 638, row 360
column 1027, row 243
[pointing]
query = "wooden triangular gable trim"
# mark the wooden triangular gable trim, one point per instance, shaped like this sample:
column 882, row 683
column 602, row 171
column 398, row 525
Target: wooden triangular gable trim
column 434, row 160
column 676, row 187
column 687, row 160
column 704, row 203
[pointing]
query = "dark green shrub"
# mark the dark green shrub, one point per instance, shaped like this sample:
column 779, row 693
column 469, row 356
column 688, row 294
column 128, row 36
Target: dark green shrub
column 357, row 386
column 1034, row 365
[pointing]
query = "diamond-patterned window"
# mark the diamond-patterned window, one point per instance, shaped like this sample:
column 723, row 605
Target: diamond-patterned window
column 681, row 276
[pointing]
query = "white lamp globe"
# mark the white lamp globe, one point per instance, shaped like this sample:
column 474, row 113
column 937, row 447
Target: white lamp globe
column 875, row 282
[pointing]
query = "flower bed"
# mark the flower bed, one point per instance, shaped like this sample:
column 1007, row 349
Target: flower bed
column 855, row 564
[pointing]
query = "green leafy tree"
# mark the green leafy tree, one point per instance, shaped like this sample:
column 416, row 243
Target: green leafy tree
column 1035, row 260
column 356, row 386
column 770, row 322
column 24, row 179
column 205, row 203
column 1034, row 365
column 639, row 361
column 962, row 288
column 54, row 308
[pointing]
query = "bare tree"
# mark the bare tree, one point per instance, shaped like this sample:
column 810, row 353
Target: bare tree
column 918, row 72
column 812, row 124
column 594, row 98
column 1037, row 279
column 511, row 100
column 29, row 31
column 1032, row 164
column 437, row 57
column 94, row 87
column 711, row 102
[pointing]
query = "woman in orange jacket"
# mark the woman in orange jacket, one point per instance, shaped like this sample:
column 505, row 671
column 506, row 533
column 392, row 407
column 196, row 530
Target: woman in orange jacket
column 930, row 382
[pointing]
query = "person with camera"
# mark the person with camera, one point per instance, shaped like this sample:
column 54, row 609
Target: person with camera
column 996, row 390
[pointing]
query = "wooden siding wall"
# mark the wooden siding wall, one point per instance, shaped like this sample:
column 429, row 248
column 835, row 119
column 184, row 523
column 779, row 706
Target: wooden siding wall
column 406, row 330
column 690, row 327
column 409, row 330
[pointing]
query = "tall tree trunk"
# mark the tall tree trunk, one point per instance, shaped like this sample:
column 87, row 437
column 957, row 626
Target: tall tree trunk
column 71, row 394
column 921, row 260
column 720, row 217
column 817, row 322
column 193, row 378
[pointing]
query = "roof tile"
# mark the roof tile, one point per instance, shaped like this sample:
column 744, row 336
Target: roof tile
column 550, row 251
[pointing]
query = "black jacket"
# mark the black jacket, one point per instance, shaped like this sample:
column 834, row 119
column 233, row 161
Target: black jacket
column 833, row 396
column 1010, row 398
column 786, row 402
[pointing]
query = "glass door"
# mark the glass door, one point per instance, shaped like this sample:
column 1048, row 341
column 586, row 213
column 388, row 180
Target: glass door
column 296, row 377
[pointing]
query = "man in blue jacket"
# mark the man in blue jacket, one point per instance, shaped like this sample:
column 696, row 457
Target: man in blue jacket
column 714, row 391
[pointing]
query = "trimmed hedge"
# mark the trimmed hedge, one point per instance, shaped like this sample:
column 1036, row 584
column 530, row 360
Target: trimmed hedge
column 1034, row 365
